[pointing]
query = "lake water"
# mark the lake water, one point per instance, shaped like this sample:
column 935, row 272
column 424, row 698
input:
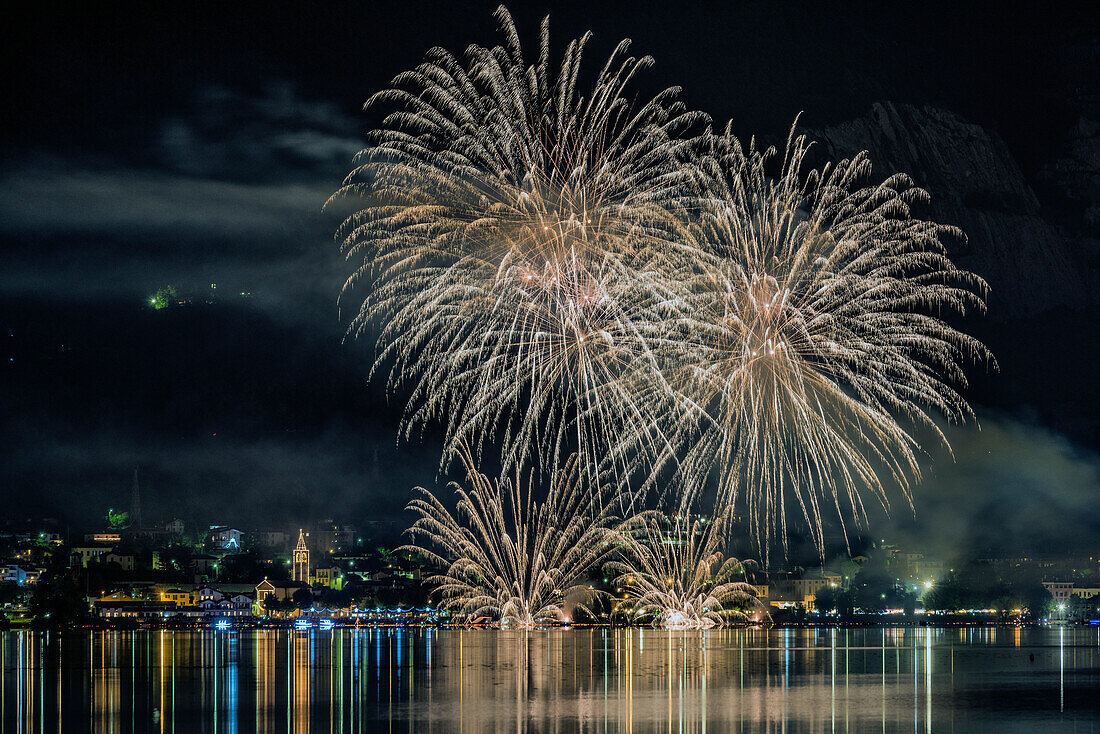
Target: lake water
column 618, row 680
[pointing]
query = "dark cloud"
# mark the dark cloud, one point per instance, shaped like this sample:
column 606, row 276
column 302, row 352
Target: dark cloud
column 229, row 193
column 276, row 136
column 45, row 199
column 276, row 480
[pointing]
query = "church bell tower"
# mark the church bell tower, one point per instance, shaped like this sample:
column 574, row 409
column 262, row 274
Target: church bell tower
column 300, row 569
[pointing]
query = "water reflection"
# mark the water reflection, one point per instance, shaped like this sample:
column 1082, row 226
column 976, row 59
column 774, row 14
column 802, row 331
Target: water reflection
column 623, row 680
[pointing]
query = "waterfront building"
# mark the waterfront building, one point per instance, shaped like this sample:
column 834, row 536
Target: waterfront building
column 1060, row 591
column 206, row 593
column 127, row 609
column 175, row 596
column 788, row 590
column 281, row 590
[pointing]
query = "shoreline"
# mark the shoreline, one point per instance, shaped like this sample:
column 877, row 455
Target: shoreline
column 291, row 627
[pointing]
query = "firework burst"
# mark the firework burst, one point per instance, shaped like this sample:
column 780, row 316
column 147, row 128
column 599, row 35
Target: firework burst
column 505, row 555
column 676, row 573
column 554, row 269
column 514, row 243
column 815, row 339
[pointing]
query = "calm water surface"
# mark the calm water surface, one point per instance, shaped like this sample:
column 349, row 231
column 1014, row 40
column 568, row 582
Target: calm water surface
column 392, row 680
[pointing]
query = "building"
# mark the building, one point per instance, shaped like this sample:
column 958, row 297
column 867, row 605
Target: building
column 124, row 560
column 203, row 565
column 333, row 578
column 206, row 593
column 103, row 537
column 913, row 568
column 276, row 540
column 1059, row 590
column 223, row 536
column 152, row 537
column 281, row 590
column 300, row 568
column 31, row 575
column 119, row 606
column 149, row 610
column 380, row 530
column 234, row 605
column 785, row 590
column 330, row 538
column 174, row 527
column 83, row 554
column 12, row 574
column 120, row 596
column 175, row 596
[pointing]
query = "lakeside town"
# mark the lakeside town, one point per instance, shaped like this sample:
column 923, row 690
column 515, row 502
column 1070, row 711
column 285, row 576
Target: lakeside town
column 130, row 573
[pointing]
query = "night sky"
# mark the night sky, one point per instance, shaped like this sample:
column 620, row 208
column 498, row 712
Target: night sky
column 145, row 146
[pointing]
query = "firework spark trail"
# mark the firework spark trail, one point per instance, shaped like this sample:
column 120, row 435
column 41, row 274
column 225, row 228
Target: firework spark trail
column 814, row 336
column 514, row 240
column 678, row 575
column 504, row 554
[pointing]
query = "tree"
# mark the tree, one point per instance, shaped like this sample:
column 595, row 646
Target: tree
column 1036, row 599
column 164, row 298
column 303, row 598
column 834, row 599
column 12, row 593
column 335, row 598
column 949, row 594
column 1080, row 609
column 273, row 605
column 117, row 520
column 874, row 590
column 58, row 599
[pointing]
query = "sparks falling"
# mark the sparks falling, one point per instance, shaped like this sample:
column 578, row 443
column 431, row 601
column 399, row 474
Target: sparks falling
column 505, row 555
column 677, row 575
column 816, row 343
column 514, row 243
